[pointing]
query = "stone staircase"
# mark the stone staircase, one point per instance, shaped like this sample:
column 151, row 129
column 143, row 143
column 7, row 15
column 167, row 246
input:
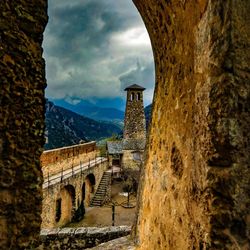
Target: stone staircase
column 102, row 190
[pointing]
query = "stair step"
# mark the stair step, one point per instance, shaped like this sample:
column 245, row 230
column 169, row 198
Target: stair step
column 101, row 190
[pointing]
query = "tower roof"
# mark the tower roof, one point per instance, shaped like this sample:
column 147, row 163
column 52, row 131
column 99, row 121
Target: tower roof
column 135, row 87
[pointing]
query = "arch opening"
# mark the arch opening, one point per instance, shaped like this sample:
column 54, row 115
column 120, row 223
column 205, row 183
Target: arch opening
column 89, row 189
column 65, row 205
column 79, row 213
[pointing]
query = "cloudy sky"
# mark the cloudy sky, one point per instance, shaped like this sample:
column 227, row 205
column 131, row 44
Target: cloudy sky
column 94, row 48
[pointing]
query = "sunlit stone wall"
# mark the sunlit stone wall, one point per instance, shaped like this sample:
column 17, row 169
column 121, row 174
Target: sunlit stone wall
column 195, row 188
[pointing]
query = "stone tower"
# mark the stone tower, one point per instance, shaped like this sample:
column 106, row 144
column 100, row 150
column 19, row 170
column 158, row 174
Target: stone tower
column 134, row 135
column 134, row 124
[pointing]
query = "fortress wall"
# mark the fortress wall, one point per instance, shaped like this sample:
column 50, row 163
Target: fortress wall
column 55, row 160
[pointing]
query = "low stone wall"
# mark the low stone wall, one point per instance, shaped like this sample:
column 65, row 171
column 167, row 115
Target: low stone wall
column 53, row 161
column 80, row 238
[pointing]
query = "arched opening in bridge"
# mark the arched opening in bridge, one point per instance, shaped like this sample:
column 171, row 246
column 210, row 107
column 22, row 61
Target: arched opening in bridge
column 83, row 191
column 58, row 209
column 80, row 211
column 65, row 205
column 89, row 189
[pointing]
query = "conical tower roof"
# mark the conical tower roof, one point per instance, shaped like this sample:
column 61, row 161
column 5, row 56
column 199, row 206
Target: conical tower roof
column 134, row 87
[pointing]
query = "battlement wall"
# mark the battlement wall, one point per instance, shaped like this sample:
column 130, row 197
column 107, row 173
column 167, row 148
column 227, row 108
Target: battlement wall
column 55, row 160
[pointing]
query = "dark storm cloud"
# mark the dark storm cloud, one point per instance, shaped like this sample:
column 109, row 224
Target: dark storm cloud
column 92, row 47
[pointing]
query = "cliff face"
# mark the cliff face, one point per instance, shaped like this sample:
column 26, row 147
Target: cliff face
column 65, row 128
column 195, row 187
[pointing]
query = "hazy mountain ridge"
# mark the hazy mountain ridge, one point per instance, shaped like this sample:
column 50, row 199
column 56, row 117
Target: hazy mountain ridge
column 65, row 127
column 92, row 111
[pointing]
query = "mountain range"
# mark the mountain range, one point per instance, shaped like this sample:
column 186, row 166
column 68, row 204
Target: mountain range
column 92, row 111
column 65, row 127
column 148, row 110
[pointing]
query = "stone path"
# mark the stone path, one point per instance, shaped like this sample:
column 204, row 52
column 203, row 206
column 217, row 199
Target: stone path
column 56, row 178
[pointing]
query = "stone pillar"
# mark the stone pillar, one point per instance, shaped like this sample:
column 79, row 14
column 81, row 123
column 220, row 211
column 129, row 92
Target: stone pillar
column 195, row 188
column 22, row 80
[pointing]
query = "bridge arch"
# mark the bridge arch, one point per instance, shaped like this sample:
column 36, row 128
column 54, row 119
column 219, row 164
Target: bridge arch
column 89, row 189
column 65, row 205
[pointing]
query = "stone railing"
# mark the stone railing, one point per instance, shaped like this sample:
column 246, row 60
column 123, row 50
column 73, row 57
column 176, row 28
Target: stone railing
column 52, row 179
column 80, row 238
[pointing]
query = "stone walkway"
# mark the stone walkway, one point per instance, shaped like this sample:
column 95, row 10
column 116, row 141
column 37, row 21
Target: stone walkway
column 56, row 178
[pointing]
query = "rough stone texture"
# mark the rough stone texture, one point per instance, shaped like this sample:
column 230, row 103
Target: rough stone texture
column 201, row 108
column 129, row 162
column 55, row 160
column 134, row 134
column 123, row 243
column 134, row 123
column 195, row 188
column 22, row 83
column 80, row 238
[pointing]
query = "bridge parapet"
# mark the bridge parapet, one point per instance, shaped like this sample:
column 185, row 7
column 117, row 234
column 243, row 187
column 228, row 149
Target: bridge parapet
column 57, row 160
column 80, row 168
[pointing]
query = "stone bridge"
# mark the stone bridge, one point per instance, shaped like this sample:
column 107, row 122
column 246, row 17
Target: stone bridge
column 71, row 177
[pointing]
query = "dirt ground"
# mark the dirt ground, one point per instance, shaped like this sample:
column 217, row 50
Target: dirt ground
column 102, row 216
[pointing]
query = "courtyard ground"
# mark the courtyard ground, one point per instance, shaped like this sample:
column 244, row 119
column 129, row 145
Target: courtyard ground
column 102, row 216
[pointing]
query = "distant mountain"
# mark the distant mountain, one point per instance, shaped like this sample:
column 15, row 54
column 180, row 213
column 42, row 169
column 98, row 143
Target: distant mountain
column 148, row 111
column 64, row 127
column 92, row 111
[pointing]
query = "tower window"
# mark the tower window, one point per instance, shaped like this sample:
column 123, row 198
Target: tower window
column 132, row 96
column 138, row 97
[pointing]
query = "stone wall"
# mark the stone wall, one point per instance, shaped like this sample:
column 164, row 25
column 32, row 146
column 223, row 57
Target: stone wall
column 128, row 161
column 195, row 188
column 55, row 160
column 80, row 238
column 22, row 81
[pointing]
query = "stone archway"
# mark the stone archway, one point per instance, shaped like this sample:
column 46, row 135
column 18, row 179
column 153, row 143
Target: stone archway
column 65, row 205
column 89, row 189
column 201, row 106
